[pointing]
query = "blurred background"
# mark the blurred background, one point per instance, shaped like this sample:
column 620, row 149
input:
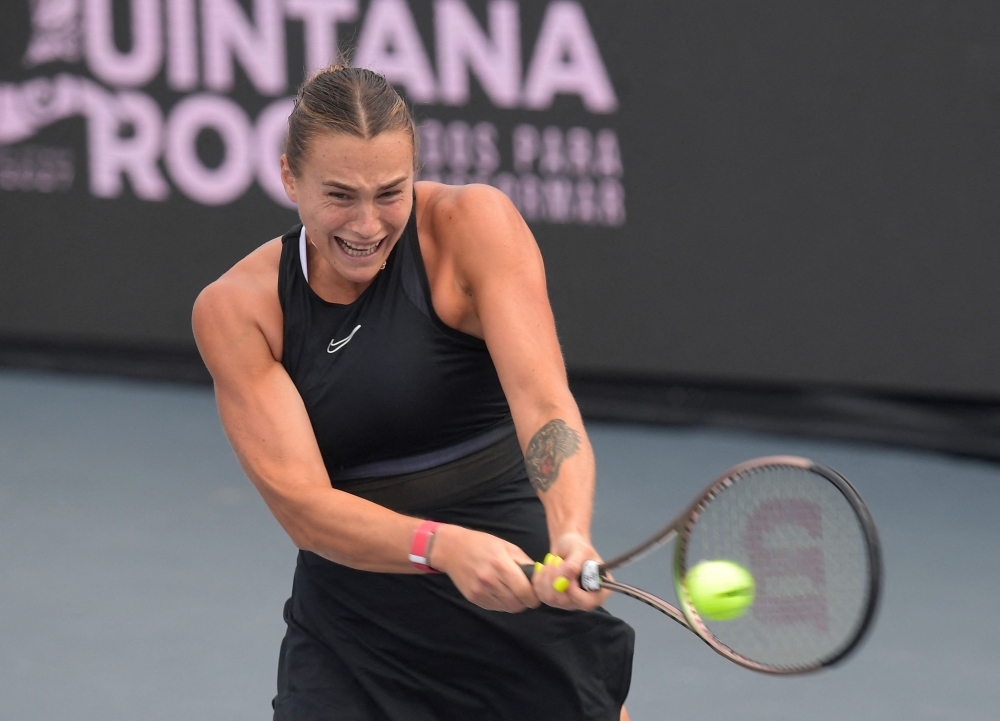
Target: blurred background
column 780, row 216
column 777, row 221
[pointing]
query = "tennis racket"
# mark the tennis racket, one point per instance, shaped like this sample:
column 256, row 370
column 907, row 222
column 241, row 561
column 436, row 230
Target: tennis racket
column 809, row 541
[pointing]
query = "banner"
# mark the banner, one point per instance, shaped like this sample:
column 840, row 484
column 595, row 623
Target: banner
column 719, row 192
column 555, row 174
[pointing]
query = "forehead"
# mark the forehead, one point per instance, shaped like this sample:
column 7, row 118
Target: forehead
column 359, row 162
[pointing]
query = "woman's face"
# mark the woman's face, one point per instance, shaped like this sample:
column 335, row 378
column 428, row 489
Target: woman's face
column 354, row 198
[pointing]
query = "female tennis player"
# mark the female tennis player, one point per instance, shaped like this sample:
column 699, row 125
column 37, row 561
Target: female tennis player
column 389, row 376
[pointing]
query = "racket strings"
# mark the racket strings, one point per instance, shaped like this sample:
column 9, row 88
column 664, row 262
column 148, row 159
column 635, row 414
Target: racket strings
column 801, row 539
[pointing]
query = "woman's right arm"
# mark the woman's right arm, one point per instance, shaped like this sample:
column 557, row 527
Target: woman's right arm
column 266, row 422
column 267, row 425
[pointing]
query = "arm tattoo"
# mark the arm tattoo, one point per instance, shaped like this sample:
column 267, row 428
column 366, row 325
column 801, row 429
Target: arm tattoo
column 552, row 445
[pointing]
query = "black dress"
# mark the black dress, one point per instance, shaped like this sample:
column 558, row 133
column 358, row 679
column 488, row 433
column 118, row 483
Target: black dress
column 409, row 413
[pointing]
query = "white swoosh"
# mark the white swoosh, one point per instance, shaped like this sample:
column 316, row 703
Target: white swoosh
column 336, row 345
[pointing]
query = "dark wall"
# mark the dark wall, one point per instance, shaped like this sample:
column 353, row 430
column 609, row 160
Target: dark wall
column 809, row 190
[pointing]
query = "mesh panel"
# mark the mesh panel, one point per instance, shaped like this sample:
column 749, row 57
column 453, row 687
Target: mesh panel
column 802, row 541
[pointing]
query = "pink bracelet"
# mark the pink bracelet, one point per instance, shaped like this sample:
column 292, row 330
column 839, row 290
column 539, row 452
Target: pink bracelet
column 421, row 544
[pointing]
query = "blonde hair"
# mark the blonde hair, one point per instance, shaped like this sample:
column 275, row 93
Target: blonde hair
column 348, row 100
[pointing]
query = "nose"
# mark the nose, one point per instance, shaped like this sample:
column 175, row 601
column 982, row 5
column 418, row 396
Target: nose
column 366, row 223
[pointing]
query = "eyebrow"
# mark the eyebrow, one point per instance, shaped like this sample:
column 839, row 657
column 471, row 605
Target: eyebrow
column 342, row 186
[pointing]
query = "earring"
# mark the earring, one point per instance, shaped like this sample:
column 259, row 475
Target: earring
column 383, row 266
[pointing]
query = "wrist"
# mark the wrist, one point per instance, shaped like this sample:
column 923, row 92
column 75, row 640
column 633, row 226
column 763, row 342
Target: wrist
column 567, row 522
column 441, row 551
column 422, row 544
column 575, row 545
column 563, row 535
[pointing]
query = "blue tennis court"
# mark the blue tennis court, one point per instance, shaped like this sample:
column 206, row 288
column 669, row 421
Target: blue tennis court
column 143, row 578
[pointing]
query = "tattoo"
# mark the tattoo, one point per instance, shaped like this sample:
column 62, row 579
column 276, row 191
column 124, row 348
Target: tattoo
column 552, row 445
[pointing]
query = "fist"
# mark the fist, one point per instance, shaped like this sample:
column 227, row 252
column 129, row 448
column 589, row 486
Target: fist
column 486, row 570
column 557, row 582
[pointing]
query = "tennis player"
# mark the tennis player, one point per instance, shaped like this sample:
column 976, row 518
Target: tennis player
column 389, row 376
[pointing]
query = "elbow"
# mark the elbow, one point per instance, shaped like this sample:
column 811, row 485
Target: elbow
column 297, row 529
column 306, row 540
column 301, row 536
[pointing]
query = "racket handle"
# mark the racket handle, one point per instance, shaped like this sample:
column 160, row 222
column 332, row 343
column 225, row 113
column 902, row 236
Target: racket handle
column 590, row 574
column 530, row 568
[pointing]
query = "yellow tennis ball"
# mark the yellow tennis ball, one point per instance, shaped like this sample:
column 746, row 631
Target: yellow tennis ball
column 720, row 590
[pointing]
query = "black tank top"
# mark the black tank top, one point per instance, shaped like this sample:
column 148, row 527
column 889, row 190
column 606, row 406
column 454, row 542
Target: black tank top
column 409, row 414
column 389, row 388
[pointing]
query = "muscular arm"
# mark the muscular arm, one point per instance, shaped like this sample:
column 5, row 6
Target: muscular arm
column 268, row 427
column 267, row 424
column 499, row 265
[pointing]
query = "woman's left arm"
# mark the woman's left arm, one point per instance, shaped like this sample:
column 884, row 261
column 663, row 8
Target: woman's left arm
column 498, row 265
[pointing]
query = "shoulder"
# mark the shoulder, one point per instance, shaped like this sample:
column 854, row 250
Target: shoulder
column 244, row 298
column 476, row 224
column 246, row 283
column 450, row 208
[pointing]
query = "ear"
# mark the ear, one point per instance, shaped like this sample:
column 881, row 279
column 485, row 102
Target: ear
column 288, row 180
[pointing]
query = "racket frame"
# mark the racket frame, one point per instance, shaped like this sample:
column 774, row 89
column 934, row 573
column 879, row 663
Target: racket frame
column 683, row 525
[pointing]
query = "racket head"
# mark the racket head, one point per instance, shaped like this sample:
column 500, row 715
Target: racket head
column 809, row 541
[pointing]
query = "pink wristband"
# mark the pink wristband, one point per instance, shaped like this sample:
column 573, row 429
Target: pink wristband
column 421, row 543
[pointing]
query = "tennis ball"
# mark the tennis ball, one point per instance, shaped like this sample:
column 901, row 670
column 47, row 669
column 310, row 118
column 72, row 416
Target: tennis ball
column 720, row 590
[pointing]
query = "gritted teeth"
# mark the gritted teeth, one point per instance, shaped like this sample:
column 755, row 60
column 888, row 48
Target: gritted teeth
column 357, row 251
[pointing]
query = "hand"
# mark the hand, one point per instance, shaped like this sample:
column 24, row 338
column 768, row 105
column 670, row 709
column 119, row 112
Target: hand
column 573, row 549
column 485, row 569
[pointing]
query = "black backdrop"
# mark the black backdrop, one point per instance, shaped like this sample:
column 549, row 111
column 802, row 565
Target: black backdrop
column 809, row 189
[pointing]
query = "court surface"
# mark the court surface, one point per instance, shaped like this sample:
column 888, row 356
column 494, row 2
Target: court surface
column 141, row 577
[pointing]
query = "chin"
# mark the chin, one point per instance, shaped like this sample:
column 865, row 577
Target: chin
column 358, row 273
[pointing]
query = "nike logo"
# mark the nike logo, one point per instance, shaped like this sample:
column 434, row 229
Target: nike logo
column 336, row 345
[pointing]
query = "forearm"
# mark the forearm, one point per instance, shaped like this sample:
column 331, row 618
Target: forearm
column 354, row 532
column 273, row 440
column 560, row 465
column 346, row 529
column 331, row 523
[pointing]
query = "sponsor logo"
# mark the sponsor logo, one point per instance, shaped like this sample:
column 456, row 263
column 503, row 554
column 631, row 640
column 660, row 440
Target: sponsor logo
column 148, row 107
column 336, row 345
